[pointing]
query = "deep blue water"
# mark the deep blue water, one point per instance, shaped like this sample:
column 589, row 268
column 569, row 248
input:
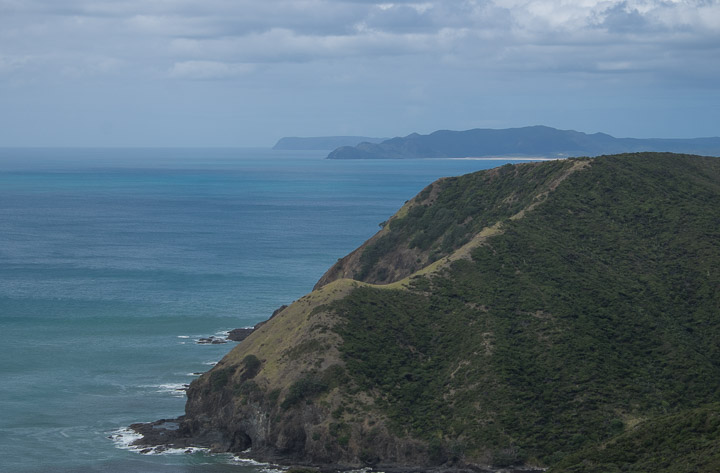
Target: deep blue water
column 113, row 261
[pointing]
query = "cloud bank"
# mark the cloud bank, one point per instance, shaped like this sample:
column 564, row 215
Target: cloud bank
column 426, row 64
column 496, row 35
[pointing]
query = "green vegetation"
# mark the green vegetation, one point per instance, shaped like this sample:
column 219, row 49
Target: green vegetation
column 578, row 331
column 313, row 384
column 341, row 432
column 688, row 442
column 598, row 307
column 252, row 364
column 464, row 205
column 308, row 346
column 219, row 378
column 304, row 389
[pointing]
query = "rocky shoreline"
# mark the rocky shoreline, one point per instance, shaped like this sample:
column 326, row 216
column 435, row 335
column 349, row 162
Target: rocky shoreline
column 175, row 434
column 208, row 426
column 198, row 432
column 162, row 435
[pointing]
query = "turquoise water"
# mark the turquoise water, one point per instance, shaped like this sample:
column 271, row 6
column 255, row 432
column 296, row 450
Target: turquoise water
column 114, row 261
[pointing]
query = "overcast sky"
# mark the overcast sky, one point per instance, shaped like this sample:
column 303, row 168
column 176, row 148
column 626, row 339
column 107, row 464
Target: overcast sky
column 247, row 72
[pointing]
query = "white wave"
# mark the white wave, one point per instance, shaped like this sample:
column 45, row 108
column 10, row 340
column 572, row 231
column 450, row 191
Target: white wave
column 249, row 461
column 174, row 389
column 210, row 363
column 123, row 438
column 175, row 451
column 272, row 470
column 183, row 336
column 264, row 467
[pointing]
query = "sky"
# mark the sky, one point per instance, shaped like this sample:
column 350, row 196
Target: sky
column 247, row 72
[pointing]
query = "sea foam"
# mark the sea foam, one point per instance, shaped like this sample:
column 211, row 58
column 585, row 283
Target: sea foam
column 124, row 439
column 174, row 389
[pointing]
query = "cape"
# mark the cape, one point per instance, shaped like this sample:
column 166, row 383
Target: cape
column 561, row 315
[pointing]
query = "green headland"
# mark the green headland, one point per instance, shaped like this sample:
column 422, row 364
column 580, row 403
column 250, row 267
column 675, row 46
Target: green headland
column 561, row 315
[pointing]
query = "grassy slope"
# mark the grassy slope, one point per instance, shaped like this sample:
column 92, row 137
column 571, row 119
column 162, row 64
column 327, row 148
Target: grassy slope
column 597, row 308
column 588, row 304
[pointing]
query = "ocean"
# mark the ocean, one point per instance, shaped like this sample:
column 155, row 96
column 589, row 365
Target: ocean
column 114, row 262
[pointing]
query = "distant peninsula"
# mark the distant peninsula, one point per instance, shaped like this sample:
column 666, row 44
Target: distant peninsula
column 532, row 141
column 322, row 142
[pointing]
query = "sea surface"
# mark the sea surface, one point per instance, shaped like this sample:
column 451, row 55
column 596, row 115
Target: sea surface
column 114, row 262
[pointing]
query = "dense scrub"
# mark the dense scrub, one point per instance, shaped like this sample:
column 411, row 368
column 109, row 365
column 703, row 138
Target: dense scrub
column 688, row 442
column 448, row 214
column 580, row 332
column 598, row 308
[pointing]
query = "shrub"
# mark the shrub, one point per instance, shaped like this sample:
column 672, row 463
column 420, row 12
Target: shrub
column 252, row 365
column 220, row 378
column 304, row 389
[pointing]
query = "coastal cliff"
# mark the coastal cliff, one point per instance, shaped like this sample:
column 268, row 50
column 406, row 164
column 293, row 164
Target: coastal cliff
column 528, row 315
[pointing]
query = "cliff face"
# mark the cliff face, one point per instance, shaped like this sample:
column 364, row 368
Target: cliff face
column 513, row 316
column 283, row 391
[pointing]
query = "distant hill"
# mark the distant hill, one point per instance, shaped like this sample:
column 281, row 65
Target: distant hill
column 532, row 141
column 322, row 142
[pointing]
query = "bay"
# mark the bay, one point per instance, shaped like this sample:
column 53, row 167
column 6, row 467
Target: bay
column 113, row 262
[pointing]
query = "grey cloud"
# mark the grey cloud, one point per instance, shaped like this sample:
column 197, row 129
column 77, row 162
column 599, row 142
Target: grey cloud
column 283, row 45
column 422, row 17
column 399, row 18
column 362, row 67
column 11, row 64
column 209, row 70
column 621, row 18
column 492, row 35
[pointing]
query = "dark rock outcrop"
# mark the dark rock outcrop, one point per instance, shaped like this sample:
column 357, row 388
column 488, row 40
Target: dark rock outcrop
column 240, row 334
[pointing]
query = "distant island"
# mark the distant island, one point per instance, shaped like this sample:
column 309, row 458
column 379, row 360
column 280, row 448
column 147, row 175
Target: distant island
column 322, row 142
column 532, row 141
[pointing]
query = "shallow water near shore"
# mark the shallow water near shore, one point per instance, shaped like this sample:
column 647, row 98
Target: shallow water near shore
column 114, row 262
